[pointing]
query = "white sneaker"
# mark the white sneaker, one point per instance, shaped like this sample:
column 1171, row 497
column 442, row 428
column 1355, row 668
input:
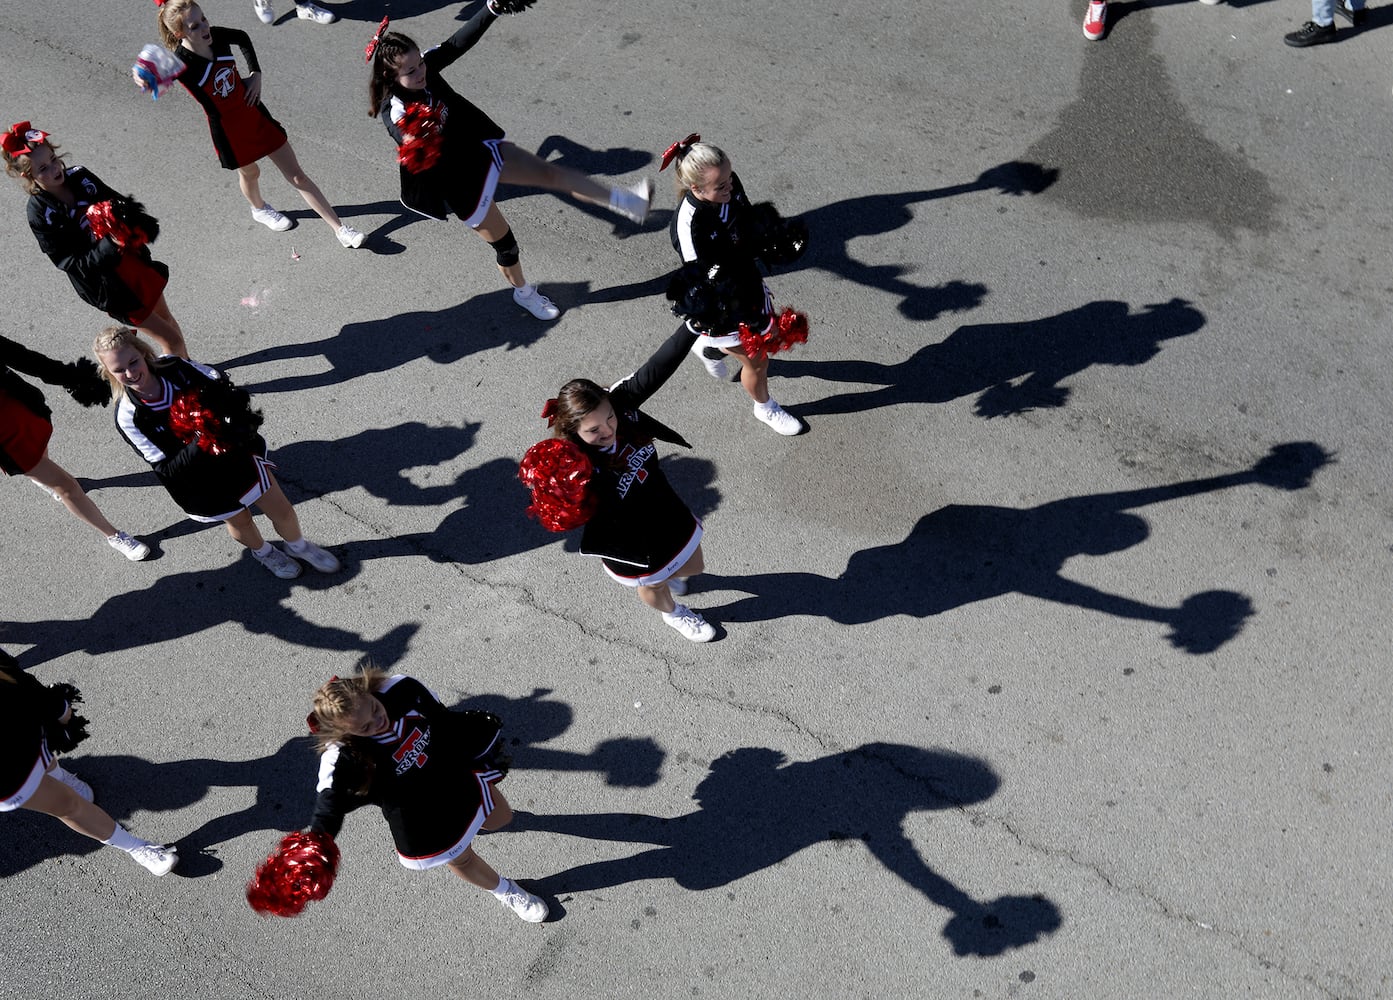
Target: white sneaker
column 717, row 368
column 633, row 203
column 72, row 781
column 778, row 418
column 157, row 859
column 677, row 585
column 320, row 559
column 132, row 548
column 270, row 218
column 309, row 12
column 349, row 237
column 690, row 624
column 264, row 11
column 531, row 908
column 280, row 564
column 535, row 302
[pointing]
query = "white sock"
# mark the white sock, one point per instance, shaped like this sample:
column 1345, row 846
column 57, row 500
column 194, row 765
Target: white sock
column 526, row 291
column 299, row 545
column 505, row 886
column 264, row 551
column 125, row 840
column 769, row 406
column 678, row 610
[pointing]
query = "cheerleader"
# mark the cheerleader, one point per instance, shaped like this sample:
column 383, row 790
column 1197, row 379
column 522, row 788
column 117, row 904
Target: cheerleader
column 388, row 741
column 113, row 272
column 453, row 156
column 199, row 433
column 34, row 722
column 25, row 431
column 642, row 532
column 243, row 130
column 716, row 230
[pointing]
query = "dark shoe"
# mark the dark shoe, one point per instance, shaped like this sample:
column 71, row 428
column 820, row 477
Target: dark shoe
column 1311, row 33
column 1354, row 17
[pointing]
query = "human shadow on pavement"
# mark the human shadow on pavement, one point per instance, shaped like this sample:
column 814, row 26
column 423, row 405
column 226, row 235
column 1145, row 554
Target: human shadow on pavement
column 482, row 323
column 756, row 810
column 989, row 359
column 179, row 605
column 832, row 227
column 961, row 554
column 623, row 761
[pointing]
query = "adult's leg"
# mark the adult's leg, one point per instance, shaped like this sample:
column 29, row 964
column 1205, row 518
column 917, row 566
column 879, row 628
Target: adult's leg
column 50, row 474
column 529, row 170
column 289, row 166
column 754, row 374
column 277, row 506
column 164, row 330
column 248, row 179
column 242, row 527
column 494, row 228
column 56, row 799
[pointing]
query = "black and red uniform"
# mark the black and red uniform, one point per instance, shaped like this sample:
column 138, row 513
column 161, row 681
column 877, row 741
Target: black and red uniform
column 430, row 774
column 24, row 415
column 126, row 283
column 706, row 234
column 242, row 133
column 470, row 138
column 207, row 487
column 641, row 523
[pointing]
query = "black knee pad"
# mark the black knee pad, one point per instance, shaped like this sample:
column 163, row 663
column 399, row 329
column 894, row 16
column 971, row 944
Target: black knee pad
column 506, row 249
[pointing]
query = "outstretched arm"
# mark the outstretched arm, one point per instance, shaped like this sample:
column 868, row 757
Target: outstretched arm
column 462, row 40
column 635, row 390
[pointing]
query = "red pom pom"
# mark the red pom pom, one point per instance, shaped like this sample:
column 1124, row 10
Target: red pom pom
column 421, row 137
column 301, row 869
column 193, row 423
column 781, row 333
column 101, row 218
column 558, row 473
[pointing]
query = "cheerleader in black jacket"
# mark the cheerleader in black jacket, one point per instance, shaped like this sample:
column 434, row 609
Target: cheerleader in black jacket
column 199, row 434
column 25, row 431
column 123, row 281
column 638, row 526
column 36, row 721
column 714, row 230
column 388, row 741
column 453, row 155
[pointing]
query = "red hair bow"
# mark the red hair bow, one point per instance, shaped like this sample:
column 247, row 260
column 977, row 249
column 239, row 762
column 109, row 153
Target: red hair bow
column 681, row 146
column 549, row 412
column 21, row 139
column 372, row 45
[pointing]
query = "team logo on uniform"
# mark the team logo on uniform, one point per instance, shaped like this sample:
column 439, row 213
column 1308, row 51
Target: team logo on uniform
column 223, row 82
column 89, row 186
column 412, row 752
column 635, row 459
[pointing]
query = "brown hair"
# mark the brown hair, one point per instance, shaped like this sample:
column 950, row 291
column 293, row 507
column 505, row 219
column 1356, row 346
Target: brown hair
column 574, row 401
column 390, row 48
column 19, row 167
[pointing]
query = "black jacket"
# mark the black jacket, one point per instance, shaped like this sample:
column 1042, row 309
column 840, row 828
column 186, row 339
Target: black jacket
column 639, row 514
column 63, row 234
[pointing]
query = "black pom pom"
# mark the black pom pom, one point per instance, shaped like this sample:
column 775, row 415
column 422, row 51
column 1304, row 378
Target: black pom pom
column 83, row 382
column 133, row 214
column 501, row 7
